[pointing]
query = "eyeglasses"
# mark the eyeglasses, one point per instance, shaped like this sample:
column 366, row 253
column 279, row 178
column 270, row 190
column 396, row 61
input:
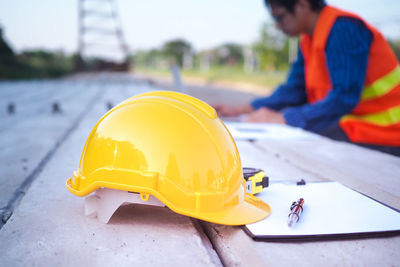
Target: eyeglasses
column 278, row 18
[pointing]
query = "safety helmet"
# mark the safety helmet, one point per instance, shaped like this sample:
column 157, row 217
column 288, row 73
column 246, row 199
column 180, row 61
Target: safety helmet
column 174, row 147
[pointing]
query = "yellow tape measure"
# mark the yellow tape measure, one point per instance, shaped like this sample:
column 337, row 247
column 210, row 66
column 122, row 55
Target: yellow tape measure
column 256, row 180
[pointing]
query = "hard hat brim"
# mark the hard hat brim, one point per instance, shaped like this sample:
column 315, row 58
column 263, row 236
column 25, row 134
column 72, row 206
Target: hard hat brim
column 251, row 210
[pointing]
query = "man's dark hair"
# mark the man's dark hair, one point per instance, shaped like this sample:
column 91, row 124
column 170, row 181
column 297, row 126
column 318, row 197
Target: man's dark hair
column 316, row 5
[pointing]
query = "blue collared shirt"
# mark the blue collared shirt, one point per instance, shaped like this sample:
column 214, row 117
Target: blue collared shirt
column 347, row 51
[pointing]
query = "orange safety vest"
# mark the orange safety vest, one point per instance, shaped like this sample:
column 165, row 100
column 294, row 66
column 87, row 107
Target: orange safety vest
column 376, row 118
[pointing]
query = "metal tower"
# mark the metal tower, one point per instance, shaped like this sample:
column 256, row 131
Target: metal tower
column 100, row 36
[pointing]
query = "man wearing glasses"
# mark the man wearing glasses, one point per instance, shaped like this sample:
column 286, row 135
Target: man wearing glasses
column 345, row 83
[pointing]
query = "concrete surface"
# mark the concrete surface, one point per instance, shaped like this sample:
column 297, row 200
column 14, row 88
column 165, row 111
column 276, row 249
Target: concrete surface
column 29, row 136
column 45, row 224
column 236, row 248
column 33, row 132
column 372, row 173
column 48, row 228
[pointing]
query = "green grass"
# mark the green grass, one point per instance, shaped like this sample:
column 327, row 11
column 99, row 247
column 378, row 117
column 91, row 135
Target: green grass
column 268, row 80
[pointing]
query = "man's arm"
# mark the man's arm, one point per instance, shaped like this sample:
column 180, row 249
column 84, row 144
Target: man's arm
column 292, row 93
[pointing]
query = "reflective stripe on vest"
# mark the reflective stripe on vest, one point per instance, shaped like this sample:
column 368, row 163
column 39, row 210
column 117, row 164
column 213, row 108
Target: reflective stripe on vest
column 385, row 118
column 376, row 118
column 382, row 85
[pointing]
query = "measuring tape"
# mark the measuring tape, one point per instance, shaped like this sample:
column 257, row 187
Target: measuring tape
column 256, row 180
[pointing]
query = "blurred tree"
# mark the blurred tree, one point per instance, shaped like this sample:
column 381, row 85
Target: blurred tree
column 7, row 58
column 10, row 67
column 395, row 44
column 32, row 64
column 46, row 64
column 175, row 50
column 153, row 58
column 272, row 49
column 6, row 53
column 230, row 54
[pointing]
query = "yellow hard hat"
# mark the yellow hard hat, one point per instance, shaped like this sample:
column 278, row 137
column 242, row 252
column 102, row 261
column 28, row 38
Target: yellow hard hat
column 174, row 147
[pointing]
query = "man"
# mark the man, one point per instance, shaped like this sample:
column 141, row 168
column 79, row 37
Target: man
column 345, row 83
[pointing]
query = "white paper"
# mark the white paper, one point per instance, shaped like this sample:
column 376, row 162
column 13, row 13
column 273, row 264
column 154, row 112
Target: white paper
column 329, row 208
column 259, row 131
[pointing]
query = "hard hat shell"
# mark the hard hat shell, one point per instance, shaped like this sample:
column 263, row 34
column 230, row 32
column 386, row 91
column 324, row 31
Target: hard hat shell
column 174, row 147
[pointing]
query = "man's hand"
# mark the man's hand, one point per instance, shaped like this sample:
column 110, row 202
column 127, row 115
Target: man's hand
column 266, row 115
column 229, row 111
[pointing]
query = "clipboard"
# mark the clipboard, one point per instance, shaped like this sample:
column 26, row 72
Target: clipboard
column 331, row 211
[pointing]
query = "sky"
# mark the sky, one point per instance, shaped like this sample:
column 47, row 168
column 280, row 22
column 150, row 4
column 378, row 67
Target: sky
column 53, row 24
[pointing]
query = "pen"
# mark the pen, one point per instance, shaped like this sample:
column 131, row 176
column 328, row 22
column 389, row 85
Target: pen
column 295, row 210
